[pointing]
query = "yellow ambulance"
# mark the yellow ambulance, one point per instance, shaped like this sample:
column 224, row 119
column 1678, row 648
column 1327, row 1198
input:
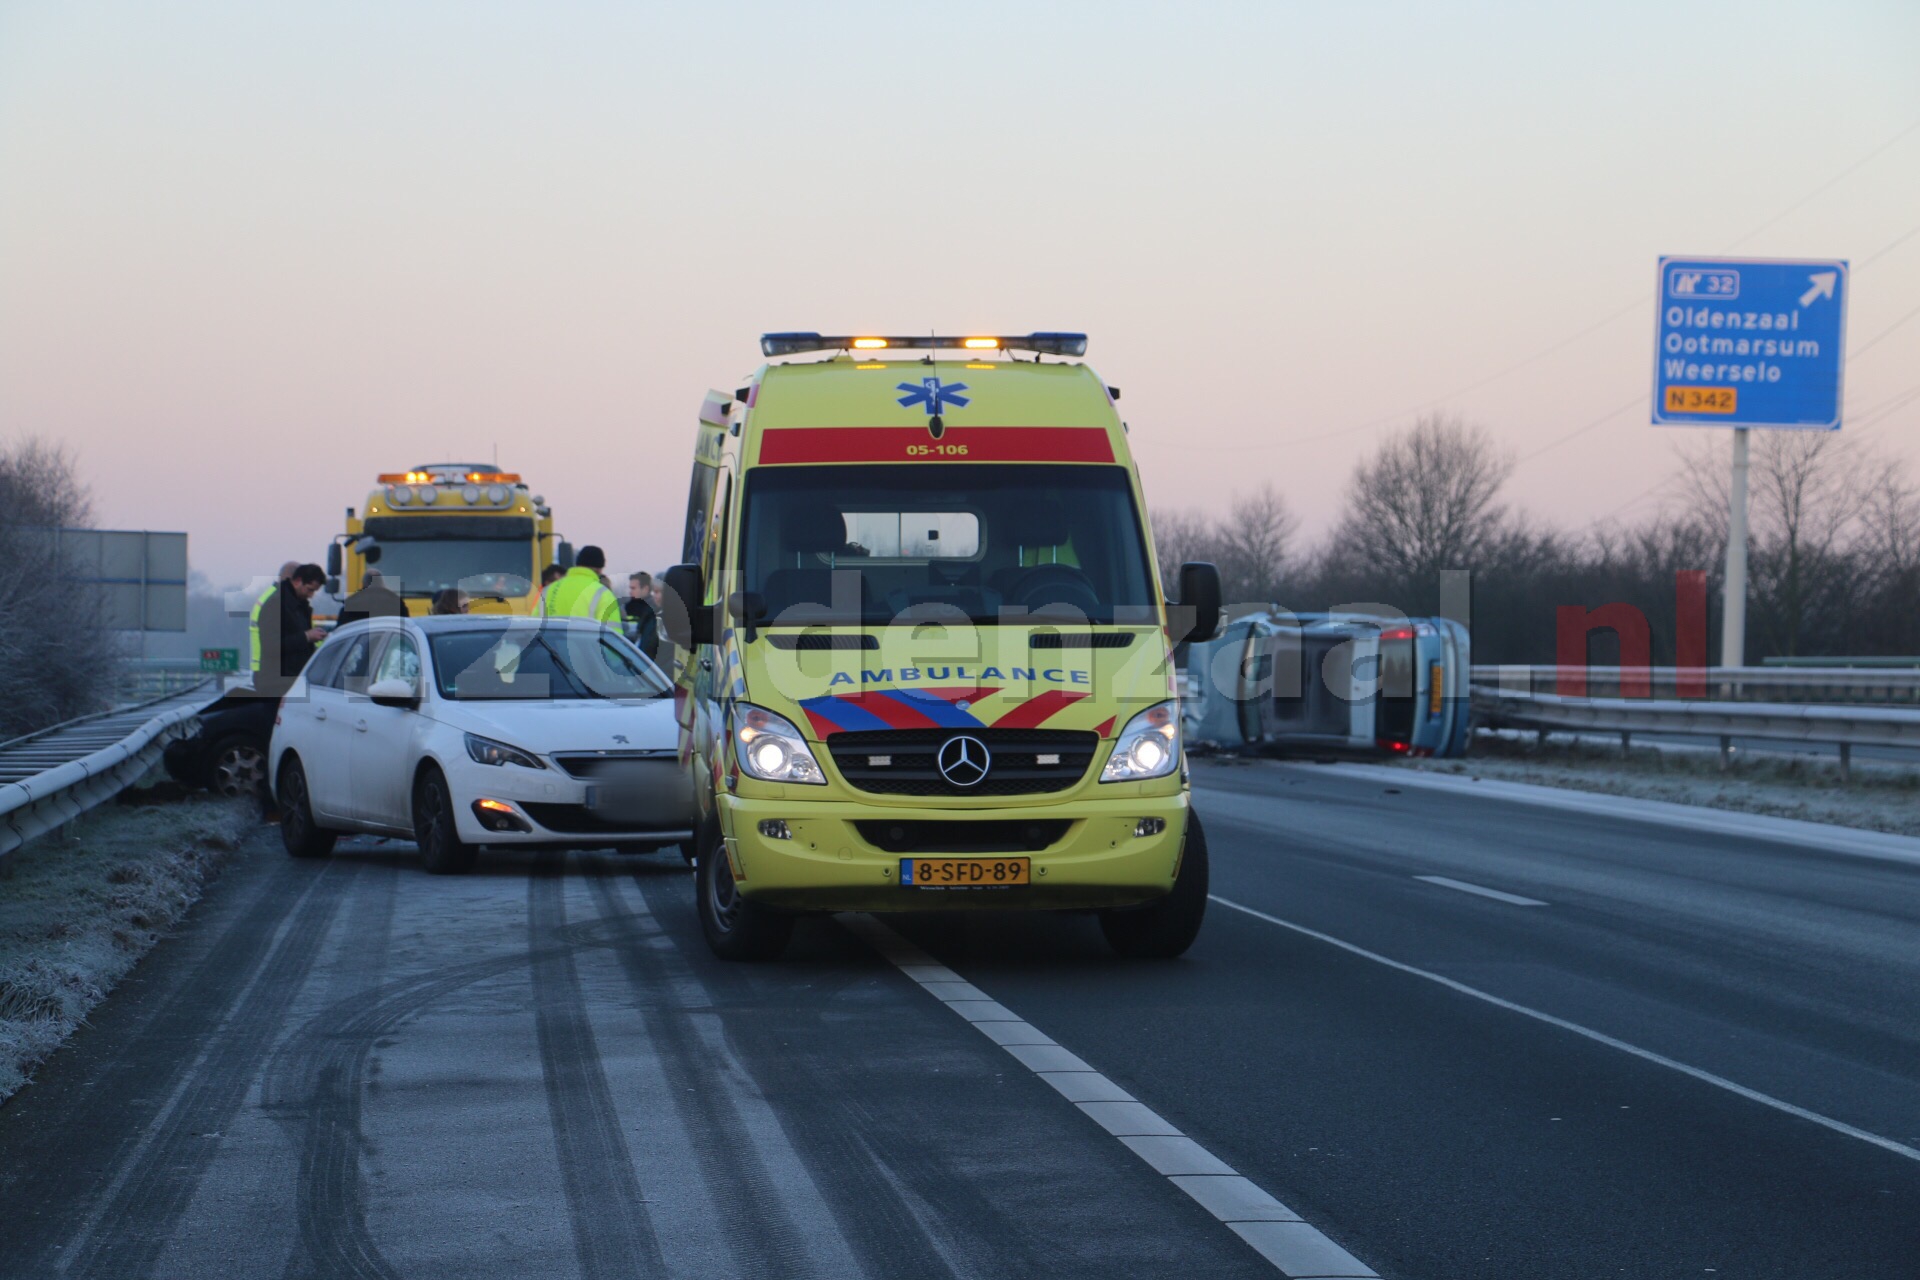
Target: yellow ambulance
column 927, row 657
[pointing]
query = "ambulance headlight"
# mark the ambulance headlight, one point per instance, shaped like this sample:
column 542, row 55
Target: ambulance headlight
column 770, row 748
column 1149, row 747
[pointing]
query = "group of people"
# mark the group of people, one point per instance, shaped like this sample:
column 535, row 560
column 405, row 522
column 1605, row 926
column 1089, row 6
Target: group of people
column 283, row 636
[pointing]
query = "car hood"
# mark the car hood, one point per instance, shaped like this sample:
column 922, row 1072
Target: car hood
column 545, row 726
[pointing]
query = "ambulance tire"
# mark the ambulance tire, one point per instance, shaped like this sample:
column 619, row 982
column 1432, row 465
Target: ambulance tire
column 303, row 837
column 735, row 928
column 1165, row 928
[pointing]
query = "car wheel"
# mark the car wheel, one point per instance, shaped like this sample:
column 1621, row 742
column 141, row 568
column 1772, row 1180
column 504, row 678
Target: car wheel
column 303, row 837
column 1166, row 927
column 735, row 927
column 238, row 767
column 441, row 848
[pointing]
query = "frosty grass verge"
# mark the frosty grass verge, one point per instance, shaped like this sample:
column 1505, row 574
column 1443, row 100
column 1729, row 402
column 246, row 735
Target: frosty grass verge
column 1882, row 796
column 81, row 907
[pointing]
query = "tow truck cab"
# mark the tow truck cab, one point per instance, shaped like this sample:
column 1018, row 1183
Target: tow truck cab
column 468, row 526
column 929, row 659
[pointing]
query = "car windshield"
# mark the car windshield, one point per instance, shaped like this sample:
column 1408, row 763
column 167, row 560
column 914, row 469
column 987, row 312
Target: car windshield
column 542, row 663
column 479, row 567
column 925, row 541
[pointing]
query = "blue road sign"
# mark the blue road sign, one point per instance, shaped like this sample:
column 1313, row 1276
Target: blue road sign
column 1749, row 342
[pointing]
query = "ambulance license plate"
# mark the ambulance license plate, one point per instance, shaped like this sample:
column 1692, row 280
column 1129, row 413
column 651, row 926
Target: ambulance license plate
column 965, row 873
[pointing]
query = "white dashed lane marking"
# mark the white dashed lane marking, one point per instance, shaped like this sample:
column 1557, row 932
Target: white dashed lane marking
column 1298, row 1248
column 1496, row 894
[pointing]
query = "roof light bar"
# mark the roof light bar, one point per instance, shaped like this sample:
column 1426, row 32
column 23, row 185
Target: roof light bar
column 1051, row 344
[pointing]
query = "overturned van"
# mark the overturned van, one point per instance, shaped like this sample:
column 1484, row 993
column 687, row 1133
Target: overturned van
column 1332, row 684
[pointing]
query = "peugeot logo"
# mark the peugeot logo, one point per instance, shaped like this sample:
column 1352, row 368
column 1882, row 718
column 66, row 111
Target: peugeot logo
column 963, row 760
column 619, row 737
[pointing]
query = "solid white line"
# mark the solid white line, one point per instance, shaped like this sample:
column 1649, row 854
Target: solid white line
column 1855, row 842
column 1296, row 1248
column 1482, row 890
column 1598, row 1037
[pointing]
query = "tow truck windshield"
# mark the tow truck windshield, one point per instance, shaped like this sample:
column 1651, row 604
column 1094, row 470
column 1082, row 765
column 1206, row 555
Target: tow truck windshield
column 879, row 545
column 483, row 567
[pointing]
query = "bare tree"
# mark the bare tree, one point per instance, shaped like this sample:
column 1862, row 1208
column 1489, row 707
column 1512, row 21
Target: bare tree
column 1427, row 500
column 1253, row 545
column 1803, row 509
column 56, row 661
column 1180, row 536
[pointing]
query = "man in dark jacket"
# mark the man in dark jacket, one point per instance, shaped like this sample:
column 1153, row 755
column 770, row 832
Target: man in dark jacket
column 643, row 619
column 373, row 600
column 287, row 634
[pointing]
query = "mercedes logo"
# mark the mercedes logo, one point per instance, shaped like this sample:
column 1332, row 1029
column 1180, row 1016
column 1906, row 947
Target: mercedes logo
column 963, row 760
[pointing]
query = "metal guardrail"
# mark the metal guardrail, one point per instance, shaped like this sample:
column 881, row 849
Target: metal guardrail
column 1892, row 686
column 145, row 678
column 53, row 776
column 1506, row 697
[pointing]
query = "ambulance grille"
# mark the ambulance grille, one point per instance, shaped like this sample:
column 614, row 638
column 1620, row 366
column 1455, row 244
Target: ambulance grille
column 900, row 762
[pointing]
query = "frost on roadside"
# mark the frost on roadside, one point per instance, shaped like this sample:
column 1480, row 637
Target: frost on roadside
column 1882, row 796
column 78, row 911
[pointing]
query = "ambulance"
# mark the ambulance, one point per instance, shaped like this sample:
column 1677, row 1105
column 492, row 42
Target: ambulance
column 928, row 655
column 468, row 526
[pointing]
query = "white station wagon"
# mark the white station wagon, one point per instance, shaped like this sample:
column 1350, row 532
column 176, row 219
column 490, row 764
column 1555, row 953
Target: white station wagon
column 463, row 732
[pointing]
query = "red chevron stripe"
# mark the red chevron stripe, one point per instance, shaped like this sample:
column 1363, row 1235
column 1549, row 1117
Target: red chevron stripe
column 1037, row 710
column 897, row 712
column 823, row 728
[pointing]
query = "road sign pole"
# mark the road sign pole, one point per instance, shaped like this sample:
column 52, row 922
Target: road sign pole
column 1733, row 632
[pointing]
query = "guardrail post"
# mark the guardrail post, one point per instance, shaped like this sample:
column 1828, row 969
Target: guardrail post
column 1846, row 763
column 1726, row 753
column 1626, row 743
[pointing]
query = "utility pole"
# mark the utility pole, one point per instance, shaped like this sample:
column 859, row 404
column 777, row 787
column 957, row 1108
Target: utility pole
column 1733, row 631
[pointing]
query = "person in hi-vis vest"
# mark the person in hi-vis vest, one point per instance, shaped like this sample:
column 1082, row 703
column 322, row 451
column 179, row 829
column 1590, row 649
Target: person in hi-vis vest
column 579, row 593
column 253, row 618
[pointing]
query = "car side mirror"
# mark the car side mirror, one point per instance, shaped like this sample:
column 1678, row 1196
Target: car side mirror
column 394, row 692
column 1196, row 618
column 684, row 615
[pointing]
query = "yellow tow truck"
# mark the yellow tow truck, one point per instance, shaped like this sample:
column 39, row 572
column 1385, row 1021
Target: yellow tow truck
column 467, row 526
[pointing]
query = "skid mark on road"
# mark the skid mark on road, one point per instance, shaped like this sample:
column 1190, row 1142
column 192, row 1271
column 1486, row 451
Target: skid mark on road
column 156, row 1187
column 729, row 1127
column 611, row 1231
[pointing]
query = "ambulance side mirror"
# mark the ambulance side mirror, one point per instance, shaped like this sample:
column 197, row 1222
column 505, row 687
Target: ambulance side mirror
column 684, row 615
column 1196, row 618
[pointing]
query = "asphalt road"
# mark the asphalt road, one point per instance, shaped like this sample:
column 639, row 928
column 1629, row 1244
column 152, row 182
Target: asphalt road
column 1694, row 1056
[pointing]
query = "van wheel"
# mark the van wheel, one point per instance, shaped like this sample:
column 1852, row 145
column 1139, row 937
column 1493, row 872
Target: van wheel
column 441, row 848
column 303, row 837
column 1165, row 928
column 736, row 928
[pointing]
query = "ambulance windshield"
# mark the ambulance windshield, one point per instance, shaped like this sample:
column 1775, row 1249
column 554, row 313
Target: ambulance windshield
column 922, row 542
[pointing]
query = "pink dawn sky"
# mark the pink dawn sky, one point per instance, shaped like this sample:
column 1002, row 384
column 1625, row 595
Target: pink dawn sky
column 252, row 255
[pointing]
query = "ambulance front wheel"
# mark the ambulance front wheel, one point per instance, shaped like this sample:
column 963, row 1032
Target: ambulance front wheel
column 736, row 928
column 1164, row 929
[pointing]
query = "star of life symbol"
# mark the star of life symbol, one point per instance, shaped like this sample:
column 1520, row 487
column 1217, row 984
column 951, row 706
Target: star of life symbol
column 932, row 395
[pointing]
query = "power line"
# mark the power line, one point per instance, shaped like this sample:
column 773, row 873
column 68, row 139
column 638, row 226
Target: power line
column 1830, row 183
column 1888, row 247
column 1580, row 431
column 1858, row 351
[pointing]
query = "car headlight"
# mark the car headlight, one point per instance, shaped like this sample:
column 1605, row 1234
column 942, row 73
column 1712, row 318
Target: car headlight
column 1149, row 747
column 770, row 748
column 487, row 751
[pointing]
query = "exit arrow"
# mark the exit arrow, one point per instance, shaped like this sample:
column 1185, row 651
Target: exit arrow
column 1823, row 282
